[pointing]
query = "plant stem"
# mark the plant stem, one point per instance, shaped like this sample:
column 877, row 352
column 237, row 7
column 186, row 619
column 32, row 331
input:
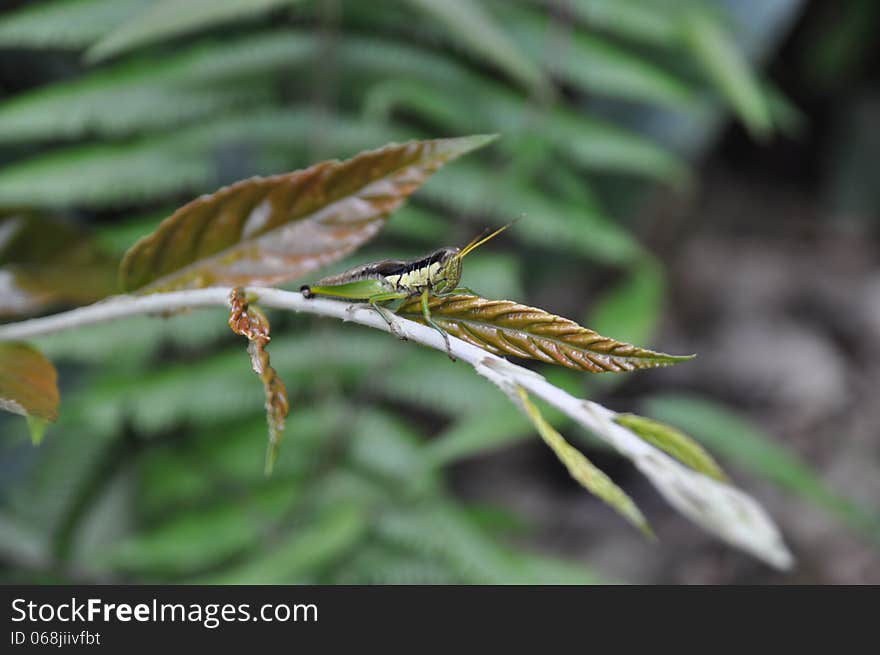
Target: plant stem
column 717, row 507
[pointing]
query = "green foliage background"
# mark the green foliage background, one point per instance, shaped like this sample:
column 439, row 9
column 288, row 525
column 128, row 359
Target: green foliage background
column 131, row 107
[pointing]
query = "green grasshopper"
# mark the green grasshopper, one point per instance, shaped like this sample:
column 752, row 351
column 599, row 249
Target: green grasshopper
column 389, row 280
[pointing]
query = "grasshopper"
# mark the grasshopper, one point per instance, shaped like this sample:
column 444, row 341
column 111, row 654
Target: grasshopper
column 390, row 280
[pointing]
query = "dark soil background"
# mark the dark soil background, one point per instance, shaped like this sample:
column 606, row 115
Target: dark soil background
column 780, row 294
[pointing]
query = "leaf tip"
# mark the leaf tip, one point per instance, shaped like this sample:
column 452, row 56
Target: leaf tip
column 37, row 427
column 646, row 530
column 475, row 141
column 271, row 456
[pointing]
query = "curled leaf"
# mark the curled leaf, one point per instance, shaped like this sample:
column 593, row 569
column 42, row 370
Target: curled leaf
column 583, row 470
column 268, row 230
column 250, row 322
column 28, row 386
column 674, row 442
column 504, row 327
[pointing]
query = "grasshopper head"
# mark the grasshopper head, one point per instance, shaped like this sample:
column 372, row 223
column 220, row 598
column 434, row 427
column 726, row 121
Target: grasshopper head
column 449, row 274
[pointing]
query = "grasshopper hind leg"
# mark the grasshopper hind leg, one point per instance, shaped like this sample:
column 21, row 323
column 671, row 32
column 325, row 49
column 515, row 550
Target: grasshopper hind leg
column 383, row 312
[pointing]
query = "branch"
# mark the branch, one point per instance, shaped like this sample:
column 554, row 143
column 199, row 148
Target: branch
column 719, row 508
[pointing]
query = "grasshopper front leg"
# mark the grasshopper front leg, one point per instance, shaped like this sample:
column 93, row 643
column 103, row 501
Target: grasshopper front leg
column 426, row 312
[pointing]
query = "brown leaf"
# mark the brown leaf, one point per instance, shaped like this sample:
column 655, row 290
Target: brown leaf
column 28, row 386
column 249, row 321
column 268, row 230
column 44, row 262
column 504, row 327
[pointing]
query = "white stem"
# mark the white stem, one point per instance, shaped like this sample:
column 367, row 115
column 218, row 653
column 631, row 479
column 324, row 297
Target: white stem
column 717, row 507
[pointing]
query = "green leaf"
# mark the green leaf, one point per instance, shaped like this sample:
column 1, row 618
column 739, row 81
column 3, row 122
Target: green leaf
column 163, row 19
column 110, row 175
column 156, row 92
column 539, row 569
column 602, row 146
column 477, row 31
column 755, row 451
column 418, row 224
column 37, row 427
column 723, row 62
column 28, row 386
column 385, row 445
column 632, row 309
column 135, row 340
column 304, row 551
column 197, row 539
column 719, row 508
column 490, row 428
column 376, row 564
column 675, row 442
column 476, row 433
column 19, row 542
column 649, row 21
column 444, row 533
column 224, row 456
column 447, row 390
column 497, row 274
column 596, row 65
column 274, row 229
column 581, row 469
column 549, row 222
column 472, row 102
column 504, row 327
column 64, row 23
column 217, row 388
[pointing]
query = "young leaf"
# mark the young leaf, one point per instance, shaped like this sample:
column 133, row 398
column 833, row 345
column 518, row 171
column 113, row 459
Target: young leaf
column 28, row 386
column 250, row 322
column 717, row 507
column 273, row 229
column 753, row 450
column 504, row 327
column 675, row 442
column 582, row 469
column 164, row 19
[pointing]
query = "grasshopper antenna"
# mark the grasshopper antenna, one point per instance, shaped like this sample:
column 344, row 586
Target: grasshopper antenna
column 480, row 240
